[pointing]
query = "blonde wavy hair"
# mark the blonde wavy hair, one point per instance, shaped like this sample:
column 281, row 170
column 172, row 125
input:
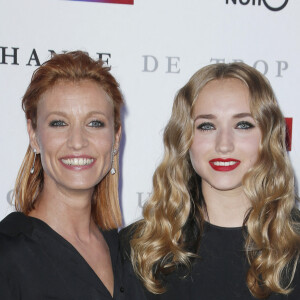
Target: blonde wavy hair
column 72, row 66
column 170, row 233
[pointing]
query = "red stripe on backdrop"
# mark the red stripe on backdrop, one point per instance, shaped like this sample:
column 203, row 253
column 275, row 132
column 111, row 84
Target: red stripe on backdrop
column 289, row 133
column 109, row 1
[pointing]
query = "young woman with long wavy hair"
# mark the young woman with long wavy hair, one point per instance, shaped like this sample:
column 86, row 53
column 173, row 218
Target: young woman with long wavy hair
column 221, row 222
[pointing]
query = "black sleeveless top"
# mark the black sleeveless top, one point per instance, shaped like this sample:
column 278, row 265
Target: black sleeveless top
column 218, row 274
column 36, row 263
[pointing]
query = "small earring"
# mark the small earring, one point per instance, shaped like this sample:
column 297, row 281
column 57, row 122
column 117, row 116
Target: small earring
column 112, row 171
column 32, row 169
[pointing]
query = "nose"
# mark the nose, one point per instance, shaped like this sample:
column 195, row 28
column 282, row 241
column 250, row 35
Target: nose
column 225, row 141
column 77, row 138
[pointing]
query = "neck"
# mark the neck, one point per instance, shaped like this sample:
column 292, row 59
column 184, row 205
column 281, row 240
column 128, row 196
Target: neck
column 225, row 208
column 66, row 212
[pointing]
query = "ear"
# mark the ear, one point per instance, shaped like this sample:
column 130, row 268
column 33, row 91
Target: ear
column 117, row 139
column 32, row 136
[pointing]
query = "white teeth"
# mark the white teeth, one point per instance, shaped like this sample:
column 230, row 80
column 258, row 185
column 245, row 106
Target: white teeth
column 77, row 161
column 223, row 163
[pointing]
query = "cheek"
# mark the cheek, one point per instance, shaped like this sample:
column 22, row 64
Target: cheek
column 50, row 142
column 104, row 142
column 50, row 145
column 201, row 145
column 251, row 148
column 199, row 148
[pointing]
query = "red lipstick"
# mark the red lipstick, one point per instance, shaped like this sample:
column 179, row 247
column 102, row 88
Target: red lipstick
column 224, row 165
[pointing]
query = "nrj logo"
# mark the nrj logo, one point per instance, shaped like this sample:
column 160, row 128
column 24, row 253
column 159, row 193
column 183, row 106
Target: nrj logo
column 109, row 1
column 274, row 5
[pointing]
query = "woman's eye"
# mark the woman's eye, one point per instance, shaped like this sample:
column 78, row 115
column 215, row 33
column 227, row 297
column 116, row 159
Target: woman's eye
column 96, row 123
column 57, row 123
column 206, row 126
column 244, row 125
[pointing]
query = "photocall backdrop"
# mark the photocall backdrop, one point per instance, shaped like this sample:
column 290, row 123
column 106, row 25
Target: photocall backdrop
column 153, row 47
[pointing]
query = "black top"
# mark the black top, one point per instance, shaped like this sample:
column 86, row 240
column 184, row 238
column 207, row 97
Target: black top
column 218, row 274
column 36, row 263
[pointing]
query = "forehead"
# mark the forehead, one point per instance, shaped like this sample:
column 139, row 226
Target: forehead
column 223, row 95
column 70, row 96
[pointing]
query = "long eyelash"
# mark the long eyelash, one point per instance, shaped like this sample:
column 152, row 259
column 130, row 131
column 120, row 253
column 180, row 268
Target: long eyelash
column 250, row 125
column 200, row 126
column 101, row 124
column 54, row 123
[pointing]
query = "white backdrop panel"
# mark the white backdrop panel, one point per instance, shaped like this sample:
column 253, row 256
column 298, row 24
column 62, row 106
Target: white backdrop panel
column 177, row 36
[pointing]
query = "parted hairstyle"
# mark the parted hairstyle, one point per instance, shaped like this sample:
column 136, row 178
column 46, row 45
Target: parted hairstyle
column 70, row 67
column 169, row 236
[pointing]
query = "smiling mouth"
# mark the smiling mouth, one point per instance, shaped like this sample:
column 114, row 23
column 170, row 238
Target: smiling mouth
column 77, row 161
column 224, row 165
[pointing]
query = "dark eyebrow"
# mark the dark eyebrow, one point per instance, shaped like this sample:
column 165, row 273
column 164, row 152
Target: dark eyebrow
column 60, row 113
column 242, row 115
column 96, row 112
column 211, row 117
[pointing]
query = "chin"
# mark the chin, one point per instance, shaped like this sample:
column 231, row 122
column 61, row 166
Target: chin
column 80, row 186
column 225, row 185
